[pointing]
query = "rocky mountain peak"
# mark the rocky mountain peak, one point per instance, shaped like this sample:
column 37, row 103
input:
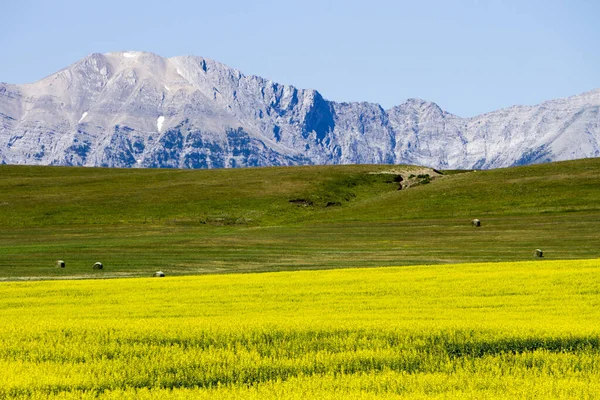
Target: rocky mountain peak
column 137, row 109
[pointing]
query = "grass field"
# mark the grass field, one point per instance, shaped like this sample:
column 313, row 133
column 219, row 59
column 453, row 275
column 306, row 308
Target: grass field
column 456, row 314
column 137, row 221
column 486, row 330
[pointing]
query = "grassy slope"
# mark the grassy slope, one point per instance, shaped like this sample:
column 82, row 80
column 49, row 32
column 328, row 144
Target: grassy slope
column 185, row 222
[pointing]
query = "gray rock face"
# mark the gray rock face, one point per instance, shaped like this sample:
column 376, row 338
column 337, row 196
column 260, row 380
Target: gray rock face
column 135, row 109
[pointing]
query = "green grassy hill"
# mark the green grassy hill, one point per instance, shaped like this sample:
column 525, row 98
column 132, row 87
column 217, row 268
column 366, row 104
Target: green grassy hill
column 137, row 221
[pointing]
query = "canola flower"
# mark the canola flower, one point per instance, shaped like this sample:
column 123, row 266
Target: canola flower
column 497, row 330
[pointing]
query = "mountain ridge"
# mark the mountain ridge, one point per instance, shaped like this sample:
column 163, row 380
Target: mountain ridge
column 137, row 109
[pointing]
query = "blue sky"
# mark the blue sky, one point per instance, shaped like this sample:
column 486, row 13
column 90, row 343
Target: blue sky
column 470, row 56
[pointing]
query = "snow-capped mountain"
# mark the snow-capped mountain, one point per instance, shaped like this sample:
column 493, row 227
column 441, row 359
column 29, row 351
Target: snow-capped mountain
column 136, row 109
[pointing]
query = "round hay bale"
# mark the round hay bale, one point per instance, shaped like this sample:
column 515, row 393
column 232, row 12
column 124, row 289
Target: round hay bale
column 476, row 223
column 60, row 263
column 538, row 253
column 98, row 265
column 159, row 274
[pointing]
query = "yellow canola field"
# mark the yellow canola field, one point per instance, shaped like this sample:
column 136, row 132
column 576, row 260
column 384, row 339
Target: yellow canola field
column 498, row 330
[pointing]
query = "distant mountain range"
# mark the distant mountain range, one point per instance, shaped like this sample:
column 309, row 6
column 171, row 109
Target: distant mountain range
column 136, row 109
